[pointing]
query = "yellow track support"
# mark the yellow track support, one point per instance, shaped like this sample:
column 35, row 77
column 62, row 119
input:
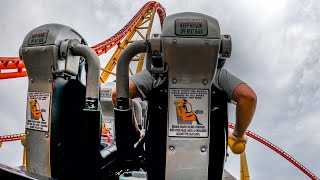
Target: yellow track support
column 147, row 17
column 244, row 171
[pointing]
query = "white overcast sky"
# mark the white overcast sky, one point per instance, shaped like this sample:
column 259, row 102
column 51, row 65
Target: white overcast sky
column 276, row 47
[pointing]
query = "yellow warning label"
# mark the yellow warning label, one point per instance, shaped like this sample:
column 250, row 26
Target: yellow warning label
column 188, row 112
column 38, row 111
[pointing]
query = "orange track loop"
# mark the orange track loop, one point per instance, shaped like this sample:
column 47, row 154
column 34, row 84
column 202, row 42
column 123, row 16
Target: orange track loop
column 104, row 46
column 101, row 48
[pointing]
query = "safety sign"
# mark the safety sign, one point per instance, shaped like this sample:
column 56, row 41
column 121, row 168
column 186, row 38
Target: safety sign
column 188, row 113
column 105, row 92
column 38, row 104
column 107, row 130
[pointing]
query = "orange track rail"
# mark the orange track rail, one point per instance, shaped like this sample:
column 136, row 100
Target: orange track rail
column 280, row 152
column 256, row 137
column 14, row 63
column 13, row 137
column 104, row 46
column 9, row 64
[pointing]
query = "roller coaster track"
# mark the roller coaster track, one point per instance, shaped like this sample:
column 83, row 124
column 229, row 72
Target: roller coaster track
column 13, row 67
column 279, row 151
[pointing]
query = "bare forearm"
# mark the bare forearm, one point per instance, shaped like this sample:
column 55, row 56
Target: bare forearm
column 244, row 113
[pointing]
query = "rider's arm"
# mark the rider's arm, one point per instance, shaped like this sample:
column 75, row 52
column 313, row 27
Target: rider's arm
column 243, row 95
column 140, row 85
column 246, row 100
column 133, row 92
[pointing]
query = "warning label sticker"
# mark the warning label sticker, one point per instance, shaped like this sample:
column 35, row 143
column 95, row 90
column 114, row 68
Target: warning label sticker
column 188, row 113
column 38, row 111
column 105, row 92
column 107, row 130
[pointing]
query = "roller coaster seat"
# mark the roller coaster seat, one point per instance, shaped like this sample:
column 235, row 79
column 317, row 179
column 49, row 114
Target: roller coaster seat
column 64, row 93
column 186, row 127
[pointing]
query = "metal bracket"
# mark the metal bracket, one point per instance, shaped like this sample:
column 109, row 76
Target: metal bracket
column 158, row 68
column 226, row 46
column 68, row 64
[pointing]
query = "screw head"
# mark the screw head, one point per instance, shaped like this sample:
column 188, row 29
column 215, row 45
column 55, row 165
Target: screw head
column 43, row 49
column 174, row 41
column 47, row 135
column 49, row 80
column 26, row 50
column 155, row 35
column 31, row 80
column 174, row 81
column 171, row 148
column 28, row 133
column 203, row 149
column 205, row 82
column 206, row 42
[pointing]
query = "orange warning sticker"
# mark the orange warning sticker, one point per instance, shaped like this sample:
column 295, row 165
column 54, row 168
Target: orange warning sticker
column 188, row 113
column 38, row 105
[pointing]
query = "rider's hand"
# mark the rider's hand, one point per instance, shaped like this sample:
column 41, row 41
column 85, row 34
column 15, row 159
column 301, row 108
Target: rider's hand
column 237, row 144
